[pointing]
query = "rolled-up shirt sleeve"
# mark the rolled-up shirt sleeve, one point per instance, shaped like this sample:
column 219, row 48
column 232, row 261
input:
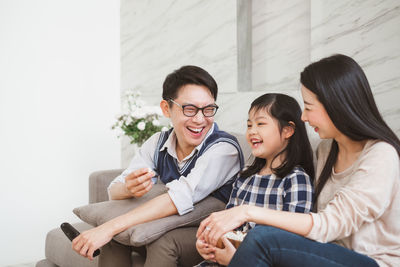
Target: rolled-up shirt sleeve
column 212, row 170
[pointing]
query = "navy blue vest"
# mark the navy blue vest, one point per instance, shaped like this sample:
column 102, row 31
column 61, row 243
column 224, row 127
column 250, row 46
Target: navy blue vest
column 167, row 166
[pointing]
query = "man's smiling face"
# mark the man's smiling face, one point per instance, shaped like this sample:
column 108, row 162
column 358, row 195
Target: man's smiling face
column 190, row 131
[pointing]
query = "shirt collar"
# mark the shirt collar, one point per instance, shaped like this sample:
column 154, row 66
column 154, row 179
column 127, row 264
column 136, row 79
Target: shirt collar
column 170, row 144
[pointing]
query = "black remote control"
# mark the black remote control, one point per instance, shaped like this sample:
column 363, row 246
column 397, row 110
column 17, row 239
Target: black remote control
column 71, row 233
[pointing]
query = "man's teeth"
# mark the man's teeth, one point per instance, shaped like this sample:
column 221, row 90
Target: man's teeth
column 197, row 130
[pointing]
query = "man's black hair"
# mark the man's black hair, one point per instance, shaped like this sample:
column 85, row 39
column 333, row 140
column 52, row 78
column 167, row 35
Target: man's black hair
column 188, row 75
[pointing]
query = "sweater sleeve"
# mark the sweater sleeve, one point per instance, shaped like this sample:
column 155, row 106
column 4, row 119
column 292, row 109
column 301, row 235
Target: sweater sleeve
column 363, row 199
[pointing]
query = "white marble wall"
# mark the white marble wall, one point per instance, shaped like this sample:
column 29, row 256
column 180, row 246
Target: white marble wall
column 280, row 50
column 368, row 31
column 281, row 43
column 160, row 36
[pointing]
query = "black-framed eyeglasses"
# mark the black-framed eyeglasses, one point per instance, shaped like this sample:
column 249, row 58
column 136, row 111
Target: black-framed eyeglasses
column 190, row 110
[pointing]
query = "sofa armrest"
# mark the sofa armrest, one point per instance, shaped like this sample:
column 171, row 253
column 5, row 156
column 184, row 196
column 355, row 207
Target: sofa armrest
column 98, row 183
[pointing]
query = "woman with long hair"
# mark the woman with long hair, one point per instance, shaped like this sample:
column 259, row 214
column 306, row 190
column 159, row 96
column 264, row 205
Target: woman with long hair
column 356, row 219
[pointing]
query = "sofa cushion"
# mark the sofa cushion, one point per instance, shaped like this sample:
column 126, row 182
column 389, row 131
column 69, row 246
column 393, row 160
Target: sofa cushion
column 45, row 263
column 59, row 250
column 142, row 234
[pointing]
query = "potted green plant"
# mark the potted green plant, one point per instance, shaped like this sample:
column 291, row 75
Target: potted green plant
column 138, row 121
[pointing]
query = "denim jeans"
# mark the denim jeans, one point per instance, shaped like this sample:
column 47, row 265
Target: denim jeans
column 270, row 246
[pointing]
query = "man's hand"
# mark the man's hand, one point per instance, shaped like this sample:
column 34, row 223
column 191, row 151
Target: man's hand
column 156, row 208
column 87, row 242
column 205, row 250
column 139, row 182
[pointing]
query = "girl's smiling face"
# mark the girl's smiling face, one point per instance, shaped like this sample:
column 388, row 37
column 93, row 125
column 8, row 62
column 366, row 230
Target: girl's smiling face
column 315, row 114
column 264, row 136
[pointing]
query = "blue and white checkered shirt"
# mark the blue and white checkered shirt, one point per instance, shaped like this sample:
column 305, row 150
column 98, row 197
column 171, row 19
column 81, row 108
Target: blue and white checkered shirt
column 292, row 193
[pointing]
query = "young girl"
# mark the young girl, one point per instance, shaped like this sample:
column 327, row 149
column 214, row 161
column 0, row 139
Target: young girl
column 281, row 175
column 357, row 191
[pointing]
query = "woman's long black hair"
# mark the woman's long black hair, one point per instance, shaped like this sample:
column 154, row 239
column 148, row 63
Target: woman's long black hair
column 343, row 89
column 298, row 152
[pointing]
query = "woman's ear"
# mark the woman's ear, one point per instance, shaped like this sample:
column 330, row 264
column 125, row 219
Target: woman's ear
column 165, row 108
column 288, row 131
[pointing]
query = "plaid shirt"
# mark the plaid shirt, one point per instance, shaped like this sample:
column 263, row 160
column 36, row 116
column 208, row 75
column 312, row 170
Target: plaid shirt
column 292, row 193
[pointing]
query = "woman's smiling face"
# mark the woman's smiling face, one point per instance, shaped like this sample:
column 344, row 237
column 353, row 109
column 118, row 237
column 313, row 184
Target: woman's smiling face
column 315, row 114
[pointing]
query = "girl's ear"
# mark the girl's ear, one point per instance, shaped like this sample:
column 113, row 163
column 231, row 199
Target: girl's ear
column 165, row 108
column 288, row 131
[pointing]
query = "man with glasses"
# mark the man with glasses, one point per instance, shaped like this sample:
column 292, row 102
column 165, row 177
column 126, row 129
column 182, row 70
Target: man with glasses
column 194, row 159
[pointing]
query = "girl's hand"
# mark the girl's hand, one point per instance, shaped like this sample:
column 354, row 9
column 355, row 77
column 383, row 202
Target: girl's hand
column 205, row 250
column 219, row 223
column 224, row 256
column 88, row 241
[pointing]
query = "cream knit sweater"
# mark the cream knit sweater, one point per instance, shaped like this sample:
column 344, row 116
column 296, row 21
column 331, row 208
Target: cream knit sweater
column 359, row 208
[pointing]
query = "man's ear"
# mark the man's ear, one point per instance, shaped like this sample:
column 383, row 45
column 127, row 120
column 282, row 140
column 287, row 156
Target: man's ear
column 164, row 105
column 288, row 131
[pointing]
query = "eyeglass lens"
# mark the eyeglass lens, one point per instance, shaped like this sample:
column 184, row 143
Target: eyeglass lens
column 190, row 110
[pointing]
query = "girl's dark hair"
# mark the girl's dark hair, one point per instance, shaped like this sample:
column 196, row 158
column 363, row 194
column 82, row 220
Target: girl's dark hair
column 298, row 151
column 188, row 75
column 343, row 89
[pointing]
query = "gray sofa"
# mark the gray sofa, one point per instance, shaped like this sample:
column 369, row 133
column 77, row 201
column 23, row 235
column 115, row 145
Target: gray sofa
column 58, row 249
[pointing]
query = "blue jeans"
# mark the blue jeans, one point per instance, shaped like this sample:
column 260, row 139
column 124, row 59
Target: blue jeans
column 270, row 246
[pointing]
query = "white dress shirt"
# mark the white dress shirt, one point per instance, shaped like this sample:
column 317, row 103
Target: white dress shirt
column 212, row 170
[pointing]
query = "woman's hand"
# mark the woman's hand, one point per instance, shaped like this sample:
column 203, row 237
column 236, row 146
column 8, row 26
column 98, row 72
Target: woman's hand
column 219, row 223
column 224, row 256
column 88, row 241
column 205, row 250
